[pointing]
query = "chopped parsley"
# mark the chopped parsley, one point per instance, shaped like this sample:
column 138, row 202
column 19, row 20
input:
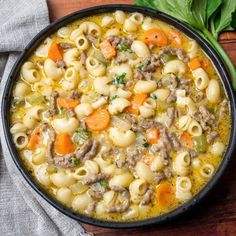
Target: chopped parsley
column 114, row 97
column 119, row 79
column 103, row 183
column 74, row 161
column 140, row 67
column 153, row 96
column 123, row 47
column 148, row 62
column 145, row 144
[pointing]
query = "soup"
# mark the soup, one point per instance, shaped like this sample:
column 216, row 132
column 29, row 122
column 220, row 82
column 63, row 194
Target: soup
column 120, row 117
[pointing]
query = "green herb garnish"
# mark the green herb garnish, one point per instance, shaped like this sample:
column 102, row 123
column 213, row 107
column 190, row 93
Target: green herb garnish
column 140, row 67
column 202, row 15
column 119, row 79
column 114, row 97
column 103, row 183
column 153, row 96
column 74, row 161
column 146, row 144
column 123, row 47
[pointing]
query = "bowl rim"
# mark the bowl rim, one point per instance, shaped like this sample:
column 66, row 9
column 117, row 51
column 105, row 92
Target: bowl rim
column 31, row 46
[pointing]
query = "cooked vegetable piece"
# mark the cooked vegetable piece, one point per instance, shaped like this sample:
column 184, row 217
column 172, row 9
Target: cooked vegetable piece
column 152, row 135
column 35, row 138
column 156, row 37
column 99, row 56
column 35, row 98
column 124, row 47
column 187, row 139
column 67, row 103
column 167, row 57
column 98, row 120
column 55, row 52
column 81, row 135
column 119, row 79
column 74, row 161
column 107, row 49
column 165, row 194
column 137, row 101
column 194, row 64
column 201, row 144
column 63, row 144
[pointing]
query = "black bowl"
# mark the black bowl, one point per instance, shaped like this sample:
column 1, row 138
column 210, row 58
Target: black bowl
column 224, row 76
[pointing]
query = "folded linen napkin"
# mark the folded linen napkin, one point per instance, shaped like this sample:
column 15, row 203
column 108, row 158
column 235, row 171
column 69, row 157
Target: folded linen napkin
column 22, row 211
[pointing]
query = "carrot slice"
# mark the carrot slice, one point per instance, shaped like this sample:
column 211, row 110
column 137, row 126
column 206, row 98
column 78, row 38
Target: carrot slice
column 67, row 103
column 147, row 159
column 63, row 144
column 156, row 37
column 165, row 194
column 107, row 49
column 194, row 64
column 175, row 37
column 186, row 139
column 55, row 53
column 98, row 120
column 152, row 135
column 34, row 138
column 206, row 63
column 137, row 101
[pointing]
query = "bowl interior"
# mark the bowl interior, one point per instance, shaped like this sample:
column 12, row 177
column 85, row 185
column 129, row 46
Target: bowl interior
column 220, row 68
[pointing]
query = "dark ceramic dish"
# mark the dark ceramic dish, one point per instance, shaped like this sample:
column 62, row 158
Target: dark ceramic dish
column 106, row 9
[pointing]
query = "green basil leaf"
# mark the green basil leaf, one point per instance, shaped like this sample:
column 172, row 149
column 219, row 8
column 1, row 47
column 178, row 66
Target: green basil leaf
column 212, row 7
column 199, row 8
column 233, row 22
column 227, row 10
column 145, row 3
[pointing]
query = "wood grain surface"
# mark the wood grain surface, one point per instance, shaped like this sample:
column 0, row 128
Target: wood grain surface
column 216, row 215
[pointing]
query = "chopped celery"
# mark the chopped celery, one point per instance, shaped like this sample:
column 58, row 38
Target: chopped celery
column 99, row 56
column 35, row 98
column 81, row 135
column 167, row 57
column 201, row 144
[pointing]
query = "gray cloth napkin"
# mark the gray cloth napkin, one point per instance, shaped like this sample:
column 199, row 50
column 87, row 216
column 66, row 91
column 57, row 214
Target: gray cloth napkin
column 22, row 211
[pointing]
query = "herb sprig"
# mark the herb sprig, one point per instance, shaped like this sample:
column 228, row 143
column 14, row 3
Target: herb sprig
column 119, row 79
column 201, row 15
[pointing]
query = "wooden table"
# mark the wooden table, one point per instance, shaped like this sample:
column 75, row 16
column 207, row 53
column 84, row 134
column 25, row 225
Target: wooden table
column 216, row 215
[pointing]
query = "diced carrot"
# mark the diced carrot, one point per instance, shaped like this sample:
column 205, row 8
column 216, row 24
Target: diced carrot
column 165, row 194
column 67, row 103
column 156, row 37
column 175, row 37
column 194, row 64
column 147, row 159
column 152, row 135
column 137, row 101
column 107, row 49
column 35, row 138
column 55, row 53
column 206, row 63
column 98, row 120
column 63, row 144
column 187, row 139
